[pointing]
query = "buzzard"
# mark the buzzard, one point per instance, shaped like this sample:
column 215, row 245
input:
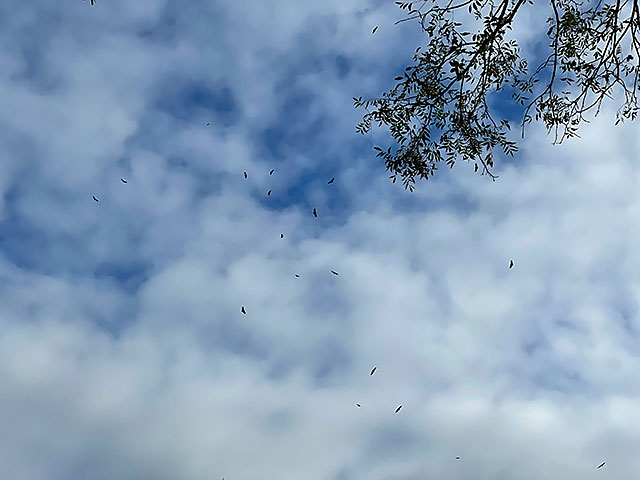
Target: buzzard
column 95, row 198
column 330, row 181
column 510, row 263
column 123, row 180
column 315, row 213
column 601, row 465
column 335, row 273
column 373, row 371
column 398, row 409
column 243, row 310
column 245, row 174
column 271, row 172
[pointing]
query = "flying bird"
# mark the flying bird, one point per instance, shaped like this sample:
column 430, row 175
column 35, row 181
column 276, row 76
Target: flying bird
column 298, row 276
column 398, row 409
column 358, row 405
column 282, row 235
column 601, row 465
column 331, row 181
column 208, row 124
column 510, row 263
column 95, row 198
column 269, row 193
column 457, row 458
column 335, row 273
column 271, row 172
column 243, row 310
column 476, row 167
column 373, row 371
column 123, row 180
column 315, row 213
column 374, row 29
column 245, row 174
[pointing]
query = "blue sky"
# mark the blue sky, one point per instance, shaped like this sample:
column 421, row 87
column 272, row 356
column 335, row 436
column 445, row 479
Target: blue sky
column 123, row 351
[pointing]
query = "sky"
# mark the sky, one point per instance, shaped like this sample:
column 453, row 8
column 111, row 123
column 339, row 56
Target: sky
column 124, row 353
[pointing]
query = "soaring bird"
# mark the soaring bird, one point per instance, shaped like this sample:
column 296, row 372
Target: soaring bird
column 398, row 409
column 476, row 168
column 315, row 213
column 243, row 310
column 601, row 465
column 358, row 405
column 335, row 273
column 511, row 264
column 373, row 371
column 95, row 198
column 245, row 174
column 208, row 124
column 123, row 180
column 298, row 276
column 330, row 181
column 282, row 235
column 457, row 458
column 269, row 193
column 271, row 172
column 374, row 29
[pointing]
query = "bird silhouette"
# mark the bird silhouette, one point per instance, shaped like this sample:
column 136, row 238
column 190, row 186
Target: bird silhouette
column 374, row 30
column 335, row 273
column 298, row 276
column 243, row 310
column 330, row 181
column 123, row 180
column 245, row 174
column 398, row 409
column 208, row 124
column 95, row 198
column 358, row 405
column 271, row 172
column 476, row 168
column 269, row 193
column 282, row 235
column 373, row 371
column 511, row 264
column 315, row 213
column 457, row 458
column 601, row 465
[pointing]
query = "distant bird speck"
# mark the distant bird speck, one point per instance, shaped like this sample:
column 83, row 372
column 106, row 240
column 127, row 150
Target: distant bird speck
column 245, row 174
column 271, row 172
column 374, row 29
column 208, row 124
column 243, row 310
column 330, row 181
column 335, row 273
column 298, row 276
column 601, row 465
column 95, row 198
column 123, row 180
column 282, row 235
column 511, row 264
column 358, row 405
column 457, row 458
column 398, row 409
column 373, row 371
column 315, row 213
column 269, row 193
column 476, row 167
